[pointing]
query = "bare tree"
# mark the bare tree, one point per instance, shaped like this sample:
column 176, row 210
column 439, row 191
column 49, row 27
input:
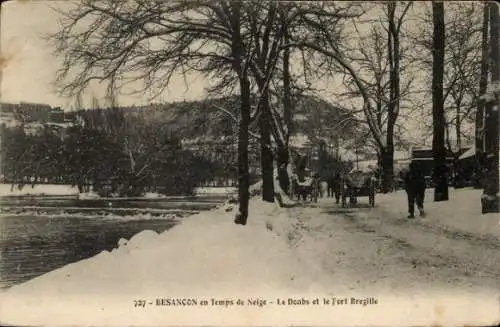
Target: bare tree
column 284, row 156
column 379, row 62
column 462, row 71
column 266, row 42
column 118, row 43
column 462, row 67
column 274, row 27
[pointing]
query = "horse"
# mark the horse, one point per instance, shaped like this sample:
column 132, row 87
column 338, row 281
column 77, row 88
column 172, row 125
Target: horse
column 323, row 189
column 309, row 188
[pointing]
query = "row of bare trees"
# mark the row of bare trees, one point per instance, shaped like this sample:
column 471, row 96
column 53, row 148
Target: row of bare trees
column 266, row 50
column 484, row 96
column 243, row 44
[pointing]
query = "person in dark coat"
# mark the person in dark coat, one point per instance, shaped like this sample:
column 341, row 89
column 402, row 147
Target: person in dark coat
column 414, row 181
column 330, row 181
column 337, row 181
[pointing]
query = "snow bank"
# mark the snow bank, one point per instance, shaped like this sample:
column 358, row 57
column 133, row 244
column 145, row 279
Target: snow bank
column 38, row 190
column 207, row 256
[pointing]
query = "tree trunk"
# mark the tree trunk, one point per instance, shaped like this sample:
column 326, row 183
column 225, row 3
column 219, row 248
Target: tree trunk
column 393, row 105
column 458, row 130
column 282, row 160
column 440, row 175
column 490, row 199
column 243, row 175
column 243, row 134
column 483, row 83
column 287, row 94
column 387, row 164
column 283, row 155
column 266, row 159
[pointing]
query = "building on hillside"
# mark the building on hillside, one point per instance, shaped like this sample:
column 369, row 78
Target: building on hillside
column 27, row 112
column 70, row 116
column 34, row 112
column 56, row 115
column 8, row 119
column 8, row 107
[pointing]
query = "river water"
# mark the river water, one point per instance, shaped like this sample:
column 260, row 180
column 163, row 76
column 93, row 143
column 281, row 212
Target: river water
column 40, row 234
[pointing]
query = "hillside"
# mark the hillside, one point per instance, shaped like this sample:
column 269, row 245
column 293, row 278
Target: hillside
column 212, row 119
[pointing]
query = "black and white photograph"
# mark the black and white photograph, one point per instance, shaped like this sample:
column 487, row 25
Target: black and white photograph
column 249, row 163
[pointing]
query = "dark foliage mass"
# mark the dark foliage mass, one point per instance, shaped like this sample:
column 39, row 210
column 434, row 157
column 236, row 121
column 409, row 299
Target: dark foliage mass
column 107, row 152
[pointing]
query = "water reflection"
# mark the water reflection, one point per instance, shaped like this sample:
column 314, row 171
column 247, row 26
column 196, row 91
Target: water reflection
column 34, row 240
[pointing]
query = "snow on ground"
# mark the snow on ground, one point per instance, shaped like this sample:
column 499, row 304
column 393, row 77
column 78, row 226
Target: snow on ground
column 210, row 257
column 38, row 190
column 153, row 195
column 62, row 190
column 215, row 190
column 88, row 196
column 461, row 212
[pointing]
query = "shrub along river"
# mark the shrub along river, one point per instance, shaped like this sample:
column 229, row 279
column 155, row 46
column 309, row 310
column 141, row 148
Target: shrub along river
column 40, row 234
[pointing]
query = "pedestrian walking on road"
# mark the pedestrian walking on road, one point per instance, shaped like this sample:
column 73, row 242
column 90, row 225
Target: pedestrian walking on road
column 336, row 187
column 415, row 189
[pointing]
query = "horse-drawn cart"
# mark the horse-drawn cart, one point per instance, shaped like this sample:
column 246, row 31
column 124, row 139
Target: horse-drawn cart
column 358, row 183
column 307, row 189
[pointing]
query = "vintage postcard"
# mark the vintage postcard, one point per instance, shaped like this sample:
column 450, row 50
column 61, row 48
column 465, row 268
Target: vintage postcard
column 249, row 163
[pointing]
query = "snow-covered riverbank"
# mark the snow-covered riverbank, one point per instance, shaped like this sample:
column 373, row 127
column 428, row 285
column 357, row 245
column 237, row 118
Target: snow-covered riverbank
column 209, row 257
column 38, row 190
column 68, row 190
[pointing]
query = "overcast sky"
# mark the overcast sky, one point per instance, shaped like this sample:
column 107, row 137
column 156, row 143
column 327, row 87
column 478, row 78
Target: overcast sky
column 29, row 67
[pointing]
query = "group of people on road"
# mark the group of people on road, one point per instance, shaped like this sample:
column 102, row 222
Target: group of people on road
column 306, row 184
column 414, row 185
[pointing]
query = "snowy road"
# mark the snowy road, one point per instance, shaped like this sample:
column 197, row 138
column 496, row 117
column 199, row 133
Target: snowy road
column 424, row 272
column 378, row 250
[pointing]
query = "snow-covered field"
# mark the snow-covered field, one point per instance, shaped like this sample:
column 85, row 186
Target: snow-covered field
column 209, row 257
